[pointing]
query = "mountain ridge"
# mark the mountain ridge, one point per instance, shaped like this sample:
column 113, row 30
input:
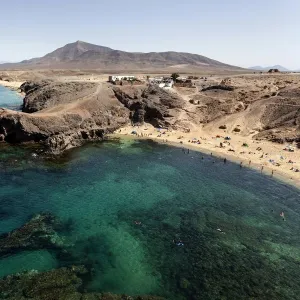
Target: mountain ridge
column 85, row 55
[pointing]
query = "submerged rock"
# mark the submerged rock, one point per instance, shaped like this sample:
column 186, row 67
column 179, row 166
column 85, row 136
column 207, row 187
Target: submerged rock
column 58, row 284
column 36, row 234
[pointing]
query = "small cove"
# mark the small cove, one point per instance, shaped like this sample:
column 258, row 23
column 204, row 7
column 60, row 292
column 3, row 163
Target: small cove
column 10, row 99
column 126, row 201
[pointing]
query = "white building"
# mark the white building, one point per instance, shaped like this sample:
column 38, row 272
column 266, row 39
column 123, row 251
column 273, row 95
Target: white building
column 162, row 82
column 114, row 78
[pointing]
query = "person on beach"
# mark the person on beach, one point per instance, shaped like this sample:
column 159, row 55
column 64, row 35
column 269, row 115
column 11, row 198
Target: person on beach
column 249, row 162
column 262, row 168
column 241, row 164
column 272, row 173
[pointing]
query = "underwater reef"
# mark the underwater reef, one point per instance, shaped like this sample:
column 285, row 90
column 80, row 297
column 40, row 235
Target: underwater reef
column 38, row 233
column 59, row 284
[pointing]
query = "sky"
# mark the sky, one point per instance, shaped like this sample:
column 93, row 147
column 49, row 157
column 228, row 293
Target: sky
column 238, row 32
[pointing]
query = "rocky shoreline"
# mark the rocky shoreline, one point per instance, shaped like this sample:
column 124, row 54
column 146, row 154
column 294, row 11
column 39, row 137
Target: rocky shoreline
column 72, row 118
column 63, row 114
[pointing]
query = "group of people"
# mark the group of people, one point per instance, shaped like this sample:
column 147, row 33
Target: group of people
column 195, row 141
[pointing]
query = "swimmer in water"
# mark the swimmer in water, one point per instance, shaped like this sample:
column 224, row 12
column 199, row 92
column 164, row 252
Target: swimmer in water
column 282, row 215
column 178, row 243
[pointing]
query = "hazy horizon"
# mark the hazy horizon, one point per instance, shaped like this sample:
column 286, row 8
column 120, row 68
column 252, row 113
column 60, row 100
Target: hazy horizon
column 233, row 32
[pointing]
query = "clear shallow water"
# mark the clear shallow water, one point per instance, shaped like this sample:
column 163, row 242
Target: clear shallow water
column 101, row 190
column 10, row 99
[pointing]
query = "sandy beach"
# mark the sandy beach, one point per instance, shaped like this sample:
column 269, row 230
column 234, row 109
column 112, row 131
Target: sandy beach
column 263, row 156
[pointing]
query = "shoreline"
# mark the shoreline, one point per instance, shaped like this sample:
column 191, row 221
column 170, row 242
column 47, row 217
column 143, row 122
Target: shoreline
column 13, row 86
column 281, row 174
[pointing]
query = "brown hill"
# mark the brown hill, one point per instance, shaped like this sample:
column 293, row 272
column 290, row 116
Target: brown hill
column 81, row 55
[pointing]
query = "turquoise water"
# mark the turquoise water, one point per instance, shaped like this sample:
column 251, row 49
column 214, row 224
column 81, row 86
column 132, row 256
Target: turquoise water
column 10, row 99
column 124, row 202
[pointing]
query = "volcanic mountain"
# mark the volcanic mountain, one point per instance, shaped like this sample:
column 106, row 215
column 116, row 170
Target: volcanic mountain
column 81, row 55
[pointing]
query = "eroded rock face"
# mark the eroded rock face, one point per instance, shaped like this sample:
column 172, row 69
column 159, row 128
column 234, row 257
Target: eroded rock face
column 38, row 233
column 60, row 284
column 151, row 104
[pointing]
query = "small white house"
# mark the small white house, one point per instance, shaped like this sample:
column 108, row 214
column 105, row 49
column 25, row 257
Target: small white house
column 114, row 78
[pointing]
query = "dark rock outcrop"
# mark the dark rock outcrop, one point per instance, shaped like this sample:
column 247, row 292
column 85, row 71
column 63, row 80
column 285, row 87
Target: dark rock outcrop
column 152, row 104
column 219, row 87
column 59, row 284
column 38, row 233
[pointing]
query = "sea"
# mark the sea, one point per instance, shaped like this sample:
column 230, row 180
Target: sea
column 10, row 99
column 150, row 219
